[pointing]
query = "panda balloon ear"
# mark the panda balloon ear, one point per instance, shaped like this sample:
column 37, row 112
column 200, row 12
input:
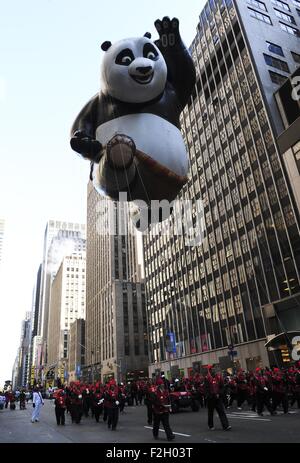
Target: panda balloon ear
column 148, row 35
column 106, row 45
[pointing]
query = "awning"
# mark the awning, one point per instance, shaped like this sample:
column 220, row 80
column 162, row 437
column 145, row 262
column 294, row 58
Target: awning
column 282, row 338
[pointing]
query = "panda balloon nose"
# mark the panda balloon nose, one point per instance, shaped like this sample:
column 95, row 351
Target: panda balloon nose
column 142, row 71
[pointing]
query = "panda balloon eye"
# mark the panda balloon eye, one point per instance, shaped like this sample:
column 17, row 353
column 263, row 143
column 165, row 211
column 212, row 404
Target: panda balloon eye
column 126, row 60
column 151, row 55
column 125, row 57
column 150, row 52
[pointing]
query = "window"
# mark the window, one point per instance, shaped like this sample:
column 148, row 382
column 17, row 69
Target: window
column 282, row 5
column 276, row 63
column 296, row 151
column 296, row 57
column 289, row 29
column 260, row 16
column 273, row 48
column 277, row 78
column 257, row 4
column 284, row 16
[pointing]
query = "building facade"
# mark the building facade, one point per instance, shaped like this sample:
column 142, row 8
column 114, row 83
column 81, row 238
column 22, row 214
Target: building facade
column 116, row 328
column 60, row 239
column 34, row 323
column 21, row 369
column 288, row 101
column 225, row 295
column 76, row 350
column 67, row 303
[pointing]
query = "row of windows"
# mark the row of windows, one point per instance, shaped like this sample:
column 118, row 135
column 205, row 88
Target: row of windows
column 276, row 63
column 72, row 269
column 276, row 49
column 276, row 78
column 285, row 27
column 282, row 5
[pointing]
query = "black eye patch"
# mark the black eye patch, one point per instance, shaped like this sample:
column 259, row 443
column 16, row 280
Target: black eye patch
column 125, row 57
column 150, row 52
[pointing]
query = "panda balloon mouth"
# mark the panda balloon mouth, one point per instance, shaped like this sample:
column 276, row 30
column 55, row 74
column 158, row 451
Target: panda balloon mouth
column 143, row 79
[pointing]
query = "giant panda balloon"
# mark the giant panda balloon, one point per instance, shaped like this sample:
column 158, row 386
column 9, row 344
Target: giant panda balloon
column 130, row 130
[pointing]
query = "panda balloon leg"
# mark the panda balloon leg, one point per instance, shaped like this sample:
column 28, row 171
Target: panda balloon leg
column 120, row 151
column 116, row 170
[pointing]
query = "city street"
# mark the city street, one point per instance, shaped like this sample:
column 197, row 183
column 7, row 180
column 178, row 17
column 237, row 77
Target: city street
column 189, row 427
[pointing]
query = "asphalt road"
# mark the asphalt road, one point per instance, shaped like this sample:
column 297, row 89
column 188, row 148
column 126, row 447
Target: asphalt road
column 189, row 427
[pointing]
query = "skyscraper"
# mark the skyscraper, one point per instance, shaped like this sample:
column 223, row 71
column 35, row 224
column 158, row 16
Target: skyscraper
column 233, row 288
column 22, row 364
column 34, row 321
column 116, row 329
column 67, row 303
column 60, row 239
column 288, row 101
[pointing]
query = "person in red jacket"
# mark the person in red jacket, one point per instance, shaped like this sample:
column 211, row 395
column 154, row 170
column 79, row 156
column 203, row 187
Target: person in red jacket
column 294, row 382
column 112, row 398
column 279, row 390
column 149, row 390
column 60, row 407
column 242, row 388
column 214, row 390
column 97, row 403
column 161, row 408
column 263, row 388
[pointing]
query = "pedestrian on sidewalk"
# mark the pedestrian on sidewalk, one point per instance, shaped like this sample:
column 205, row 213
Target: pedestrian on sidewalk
column 37, row 402
column 22, row 398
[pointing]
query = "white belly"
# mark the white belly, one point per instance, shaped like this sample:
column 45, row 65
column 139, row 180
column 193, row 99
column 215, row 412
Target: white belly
column 151, row 134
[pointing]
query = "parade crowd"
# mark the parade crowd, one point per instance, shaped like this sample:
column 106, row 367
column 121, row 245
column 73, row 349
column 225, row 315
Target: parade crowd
column 264, row 388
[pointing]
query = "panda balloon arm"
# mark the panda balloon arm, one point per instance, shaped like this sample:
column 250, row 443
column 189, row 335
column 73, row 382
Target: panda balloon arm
column 83, row 132
column 181, row 69
column 86, row 146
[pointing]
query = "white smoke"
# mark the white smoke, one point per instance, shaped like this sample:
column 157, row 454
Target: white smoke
column 59, row 249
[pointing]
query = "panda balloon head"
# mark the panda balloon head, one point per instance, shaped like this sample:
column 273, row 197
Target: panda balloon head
column 133, row 70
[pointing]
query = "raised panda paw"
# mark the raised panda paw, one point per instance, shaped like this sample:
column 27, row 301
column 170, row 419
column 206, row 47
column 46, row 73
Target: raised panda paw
column 120, row 151
column 87, row 146
column 168, row 31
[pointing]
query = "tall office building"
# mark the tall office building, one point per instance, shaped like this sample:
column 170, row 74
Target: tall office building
column 34, row 322
column 233, row 288
column 116, row 328
column 67, row 303
column 22, row 364
column 76, row 349
column 288, row 101
column 61, row 238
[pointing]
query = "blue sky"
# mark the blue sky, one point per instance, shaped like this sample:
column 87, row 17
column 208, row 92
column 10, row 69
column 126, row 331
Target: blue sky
column 49, row 68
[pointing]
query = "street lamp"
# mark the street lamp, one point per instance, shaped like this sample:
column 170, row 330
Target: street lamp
column 119, row 370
